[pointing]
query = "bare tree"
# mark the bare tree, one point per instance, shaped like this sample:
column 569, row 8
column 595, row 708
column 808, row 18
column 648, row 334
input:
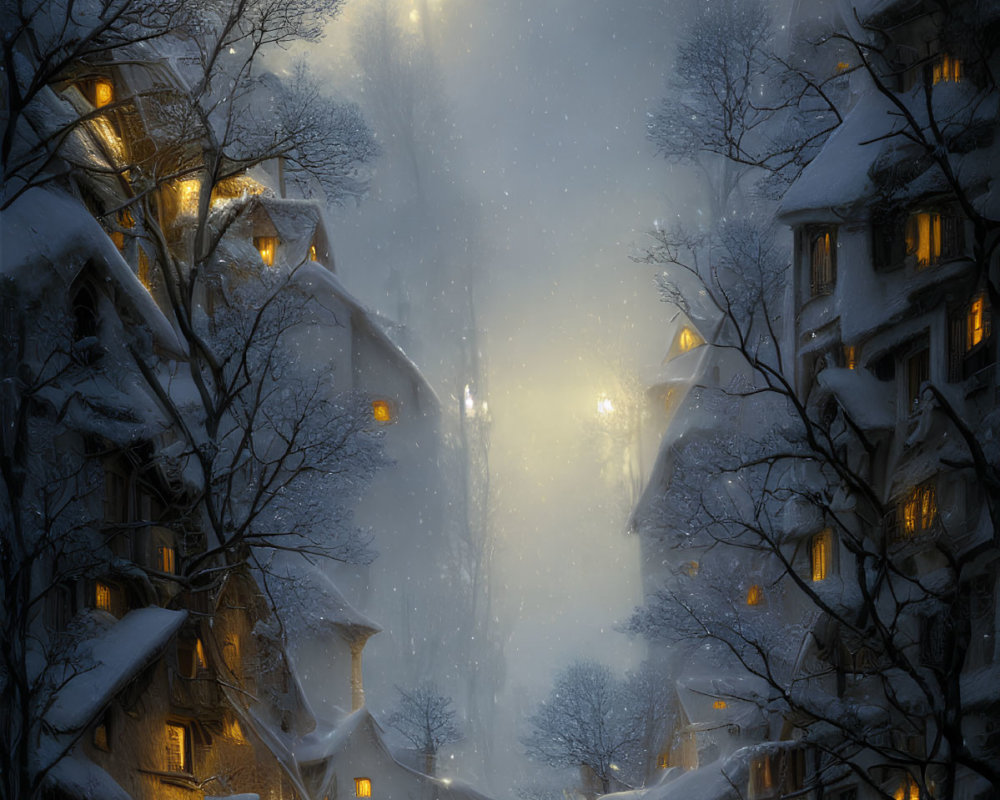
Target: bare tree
column 425, row 717
column 877, row 688
column 599, row 723
column 735, row 107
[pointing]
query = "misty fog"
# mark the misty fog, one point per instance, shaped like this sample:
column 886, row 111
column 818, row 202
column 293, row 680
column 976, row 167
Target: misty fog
column 540, row 111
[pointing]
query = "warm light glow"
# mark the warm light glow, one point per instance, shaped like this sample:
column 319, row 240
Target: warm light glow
column 362, row 787
column 923, row 238
column 719, row 705
column 144, row 273
column 177, row 748
column 236, row 186
column 919, row 510
column 947, row 70
column 688, row 340
column 414, row 16
column 187, row 195
column 313, row 256
column 233, row 731
column 102, row 596
column 663, row 760
column 125, row 220
column 974, row 325
column 381, row 411
column 822, row 550
column 690, row 569
column 104, row 92
column 908, row 790
column 109, row 138
column 199, row 652
column 267, row 246
column 850, row 356
column 755, row 595
column 843, row 66
column 605, row 406
column 167, row 560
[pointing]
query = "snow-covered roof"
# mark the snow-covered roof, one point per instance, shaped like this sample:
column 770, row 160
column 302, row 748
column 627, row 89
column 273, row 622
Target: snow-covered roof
column 331, row 607
column 47, row 231
column 839, row 175
column 78, row 776
column 869, row 401
column 698, row 695
column 108, row 661
column 314, row 276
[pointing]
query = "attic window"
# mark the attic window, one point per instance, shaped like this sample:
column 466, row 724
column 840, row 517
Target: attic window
column 932, row 237
column 755, row 595
column 821, row 553
column 946, row 69
column 822, row 261
column 104, row 92
column 362, row 787
column 267, row 246
column 688, row 340
column 382, row 411
column 178, row 748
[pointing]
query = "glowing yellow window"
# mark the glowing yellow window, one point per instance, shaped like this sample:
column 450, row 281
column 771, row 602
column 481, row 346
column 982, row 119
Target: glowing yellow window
column 199, row 653
column 908, row 790
column 125, row 220
column 313, row 255
column 362, row 787
column 688, row 340
column 919, row 510
column 755, row 595
column 102, row 596
column 850, row 356
column 821, row 552
column 104, row 92
column 177, row 748
column 923, row 238
column 267, row 246
column 719, row 705
column 166, row 559
column 947, row 70
column 976, row 323
column 663, row 760
column 381, row 411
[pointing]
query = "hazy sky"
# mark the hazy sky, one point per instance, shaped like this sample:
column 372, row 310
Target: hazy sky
column 549, row 99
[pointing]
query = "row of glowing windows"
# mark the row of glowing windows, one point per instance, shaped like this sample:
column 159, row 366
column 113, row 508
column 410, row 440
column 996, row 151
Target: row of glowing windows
column 820, row 557
column 976, row 330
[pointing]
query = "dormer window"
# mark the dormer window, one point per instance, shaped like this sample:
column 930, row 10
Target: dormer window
column 267, row 246
column 946, row 69
column 822, row 244
column 104, row 92
column 932, row 237
column 382, row 411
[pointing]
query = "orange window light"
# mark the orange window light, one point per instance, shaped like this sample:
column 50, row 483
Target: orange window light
column 267, row 246
column 822, row 550
column 947, row 70
column 167, row 560
column 381, row 411
column 975, row 323
column 755, row 595
column 102, row 596
column 719, row 704
column 104, row 92
column 362, row 787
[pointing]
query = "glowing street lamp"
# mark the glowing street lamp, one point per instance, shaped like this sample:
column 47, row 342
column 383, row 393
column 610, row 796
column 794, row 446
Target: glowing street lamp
column 605, row 406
